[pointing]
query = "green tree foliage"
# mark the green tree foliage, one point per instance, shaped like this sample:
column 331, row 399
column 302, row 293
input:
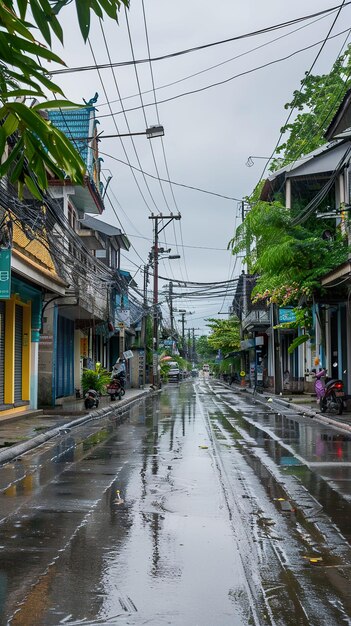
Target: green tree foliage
column 225, row 334
column 35, row 145
column 204, row 350
column 288, row 259
column 316, row 104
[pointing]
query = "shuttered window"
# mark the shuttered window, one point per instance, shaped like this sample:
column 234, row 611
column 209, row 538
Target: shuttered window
column 2, row 352
column 18, row 352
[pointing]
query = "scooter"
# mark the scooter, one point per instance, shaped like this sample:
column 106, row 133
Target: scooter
column 114, row 389
column 116, row 386
column 121, row 377
column 91, row 399
column 330, row 395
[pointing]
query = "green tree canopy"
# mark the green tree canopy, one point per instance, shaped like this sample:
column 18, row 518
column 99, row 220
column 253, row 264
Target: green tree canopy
column 288, row 259
column 35, row 145
column 225, row 334
column 316, row 103
column 204, row 350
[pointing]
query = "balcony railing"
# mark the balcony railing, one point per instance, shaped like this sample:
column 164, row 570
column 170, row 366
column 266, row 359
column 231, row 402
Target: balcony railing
column 258, row 317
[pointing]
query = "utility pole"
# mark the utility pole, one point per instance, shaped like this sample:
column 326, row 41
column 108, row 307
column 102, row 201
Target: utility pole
column 170, row 295
column 157, row 230
column 192, row 347
column 144, row 321
column 183, row 314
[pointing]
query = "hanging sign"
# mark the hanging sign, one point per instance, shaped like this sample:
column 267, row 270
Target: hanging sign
column 287, row 315
column 128, row 354
column 84, row 347
column 5, row 273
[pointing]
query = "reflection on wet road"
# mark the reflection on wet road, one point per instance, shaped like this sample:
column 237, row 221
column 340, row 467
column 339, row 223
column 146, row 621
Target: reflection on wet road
column 172, row 517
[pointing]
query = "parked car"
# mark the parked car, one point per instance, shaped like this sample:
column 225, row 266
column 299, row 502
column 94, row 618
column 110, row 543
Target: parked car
column 174, row 372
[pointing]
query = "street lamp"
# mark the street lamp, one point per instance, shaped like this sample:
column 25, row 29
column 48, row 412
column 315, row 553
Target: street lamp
column 151, row 133
column 154, row 131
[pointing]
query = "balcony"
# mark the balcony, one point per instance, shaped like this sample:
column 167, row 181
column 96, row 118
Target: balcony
column 91, row 238
column 256, row 320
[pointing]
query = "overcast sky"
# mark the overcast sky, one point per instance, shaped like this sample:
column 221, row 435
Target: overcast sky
column 208, row 135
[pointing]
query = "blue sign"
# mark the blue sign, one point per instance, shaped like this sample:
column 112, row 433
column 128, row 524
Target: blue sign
column 5, row 273
column 287, row 315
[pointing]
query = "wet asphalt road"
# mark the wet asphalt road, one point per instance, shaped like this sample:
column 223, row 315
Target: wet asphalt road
column 203, row 507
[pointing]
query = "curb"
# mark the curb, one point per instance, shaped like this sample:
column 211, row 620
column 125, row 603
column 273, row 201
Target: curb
column 14, row 451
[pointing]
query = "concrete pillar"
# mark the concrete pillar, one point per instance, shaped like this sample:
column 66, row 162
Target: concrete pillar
column 34, row 361
column 288, row 193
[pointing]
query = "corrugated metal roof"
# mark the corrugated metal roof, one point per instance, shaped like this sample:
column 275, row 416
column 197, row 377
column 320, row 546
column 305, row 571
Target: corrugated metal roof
column 106, row 229
column 102, row 227
column 75, row 124
column 302, row 161
column 320, row 161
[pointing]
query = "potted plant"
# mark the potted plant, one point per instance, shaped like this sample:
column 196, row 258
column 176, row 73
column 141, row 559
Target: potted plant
column 96, row 379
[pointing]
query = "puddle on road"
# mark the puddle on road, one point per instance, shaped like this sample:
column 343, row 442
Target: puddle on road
column 320, row 485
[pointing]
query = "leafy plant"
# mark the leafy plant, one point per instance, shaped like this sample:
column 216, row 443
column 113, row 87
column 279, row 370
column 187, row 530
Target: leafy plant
column 34, row 145
column 225, row 334
column 97, row 379
column 316, row 103
column 298, row 341
column 288, row 259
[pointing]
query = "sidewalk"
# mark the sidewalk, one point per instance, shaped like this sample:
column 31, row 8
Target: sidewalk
column 26, row 431
column 303, row 404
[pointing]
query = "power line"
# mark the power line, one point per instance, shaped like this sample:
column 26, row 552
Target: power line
column 202, row 47
column 162, row 142
column 211, row 193
column 307, row 74
column 231, row 78
column 143, row 108
column 180, row 245
column 211, row 67
column 117, row 129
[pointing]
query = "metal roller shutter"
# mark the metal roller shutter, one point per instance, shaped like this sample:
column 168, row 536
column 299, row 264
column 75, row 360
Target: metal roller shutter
column 18, row 352
column 2, row 352
column 65, row 357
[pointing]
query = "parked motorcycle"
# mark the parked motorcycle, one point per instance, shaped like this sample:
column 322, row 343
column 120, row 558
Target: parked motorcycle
column 116, row 388
column 331, row 395
column 121, row 377
column 91, row 399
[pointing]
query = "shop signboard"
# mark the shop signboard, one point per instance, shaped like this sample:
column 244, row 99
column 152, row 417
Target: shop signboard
column 286, row 315
column 5, row 273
